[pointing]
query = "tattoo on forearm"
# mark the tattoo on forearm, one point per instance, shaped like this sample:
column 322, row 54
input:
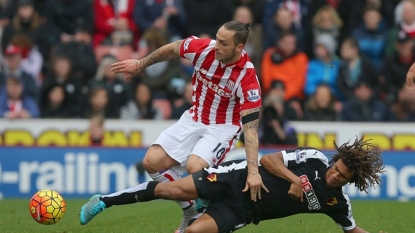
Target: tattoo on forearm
column 251, row 162
column 136, row 66
column 251, row 140
column 163, row 53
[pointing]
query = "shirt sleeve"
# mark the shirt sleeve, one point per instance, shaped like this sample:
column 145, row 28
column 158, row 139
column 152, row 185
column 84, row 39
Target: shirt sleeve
column 191, row 47
column 249, row 92
column 294, row 158
column 343, row 215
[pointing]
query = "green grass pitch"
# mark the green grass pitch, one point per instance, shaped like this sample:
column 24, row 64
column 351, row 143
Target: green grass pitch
column 164, row 216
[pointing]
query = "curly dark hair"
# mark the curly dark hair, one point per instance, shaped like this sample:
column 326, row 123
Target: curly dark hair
column 364, row 159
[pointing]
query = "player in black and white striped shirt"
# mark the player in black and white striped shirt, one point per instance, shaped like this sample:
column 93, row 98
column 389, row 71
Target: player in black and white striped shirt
column 298, row 181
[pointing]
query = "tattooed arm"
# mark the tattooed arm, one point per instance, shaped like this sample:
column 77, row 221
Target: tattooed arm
column 250, row 130
column 254, row 180
column 133, row 66
column 163, row 53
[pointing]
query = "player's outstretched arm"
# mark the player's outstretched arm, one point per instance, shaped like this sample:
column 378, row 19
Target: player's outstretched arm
column 356, row 230
column 250, row 122
column 274, row 164
column 132, row 66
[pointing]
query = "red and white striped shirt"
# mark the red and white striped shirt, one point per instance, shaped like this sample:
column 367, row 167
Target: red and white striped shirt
column 220, row 91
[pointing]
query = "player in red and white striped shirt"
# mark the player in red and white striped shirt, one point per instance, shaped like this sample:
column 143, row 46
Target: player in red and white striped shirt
column 226, row 99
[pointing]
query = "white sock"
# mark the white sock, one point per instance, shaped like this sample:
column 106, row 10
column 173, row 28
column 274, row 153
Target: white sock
column 168, row 176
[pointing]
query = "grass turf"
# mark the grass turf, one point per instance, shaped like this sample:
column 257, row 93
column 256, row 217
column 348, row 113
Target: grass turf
column 164, row 216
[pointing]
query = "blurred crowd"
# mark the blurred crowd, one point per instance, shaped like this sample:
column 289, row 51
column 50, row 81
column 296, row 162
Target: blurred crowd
column 317, row 60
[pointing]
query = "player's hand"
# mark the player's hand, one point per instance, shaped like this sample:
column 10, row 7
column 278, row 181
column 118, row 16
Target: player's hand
column 254, row 184
column 410, row 76
column 130, row 66
column 296, row 190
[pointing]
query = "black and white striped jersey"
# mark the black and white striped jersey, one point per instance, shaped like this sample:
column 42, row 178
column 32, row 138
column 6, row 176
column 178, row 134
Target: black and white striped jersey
column 310, row 165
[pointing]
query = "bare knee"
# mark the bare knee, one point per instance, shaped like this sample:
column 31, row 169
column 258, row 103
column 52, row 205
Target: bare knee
column 156, row 159
column 195, row 164
column 150, row 165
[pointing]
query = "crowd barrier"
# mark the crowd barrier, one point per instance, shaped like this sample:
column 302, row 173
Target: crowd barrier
column 141, row 133
column 81, row 172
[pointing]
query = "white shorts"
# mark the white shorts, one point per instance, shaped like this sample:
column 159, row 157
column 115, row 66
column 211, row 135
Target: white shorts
column 209, row 142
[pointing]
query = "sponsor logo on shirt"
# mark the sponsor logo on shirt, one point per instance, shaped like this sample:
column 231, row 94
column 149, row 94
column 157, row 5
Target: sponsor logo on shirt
column 212, row 177
column 209, row 84
column 203, row 71
column 308, row 190
column 300, row 156
column 253, row 95
column 230, row 85
column 331, row 201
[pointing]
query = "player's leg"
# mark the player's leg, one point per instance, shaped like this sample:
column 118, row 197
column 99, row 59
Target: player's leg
column 204, row 223
column 218, row 217
column 211, row 148
column 182, row 189
column 177, row 141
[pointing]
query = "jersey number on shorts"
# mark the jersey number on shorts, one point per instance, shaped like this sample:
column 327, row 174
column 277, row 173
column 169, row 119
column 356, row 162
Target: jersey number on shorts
column 219, row 152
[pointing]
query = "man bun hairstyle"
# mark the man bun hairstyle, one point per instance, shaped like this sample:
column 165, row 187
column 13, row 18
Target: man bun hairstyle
column 241, row 31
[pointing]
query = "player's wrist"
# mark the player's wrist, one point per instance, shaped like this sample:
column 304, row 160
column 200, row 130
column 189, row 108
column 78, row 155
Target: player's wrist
column 253, row 173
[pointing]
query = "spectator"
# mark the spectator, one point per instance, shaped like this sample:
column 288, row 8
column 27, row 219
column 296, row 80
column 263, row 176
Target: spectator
column 165, row 15
column 322, row 105
column 326, row 21
column 363, row 106
column 184, row 103
column 118, row 90
column 7, row 10
column 281, row 22
column 398, row 11
column 298, row 9
column 276, row 95
column 256, row 7
column 96, row 130
column 32, row 61
column 371, row 36
column 85, row 66
column 353, row 69
column 114, row 19
column 142, row 106
column 12, row 67
column 397, row 65
column 284, row 62
column 351, row 12
column 28, row 22
column 61, row 73
column 274, row 130
column 14, row 104
column 404, row 108
column 54, row 103
column 407, row 25
column 65, row 16
column 314, row 6
column 201, row 18
column 98, row 103
column 325, row 67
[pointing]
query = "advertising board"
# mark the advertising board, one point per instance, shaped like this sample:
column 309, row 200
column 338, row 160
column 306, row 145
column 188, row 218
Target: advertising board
column 82, row 172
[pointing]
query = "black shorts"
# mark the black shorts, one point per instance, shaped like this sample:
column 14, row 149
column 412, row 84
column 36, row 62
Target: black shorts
column 229, row 206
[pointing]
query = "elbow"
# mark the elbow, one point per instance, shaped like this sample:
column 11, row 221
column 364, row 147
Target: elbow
column 264, row 160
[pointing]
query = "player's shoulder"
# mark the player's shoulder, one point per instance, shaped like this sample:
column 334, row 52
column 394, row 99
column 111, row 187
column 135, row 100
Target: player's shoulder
column 308, row 155
column 193, row 43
